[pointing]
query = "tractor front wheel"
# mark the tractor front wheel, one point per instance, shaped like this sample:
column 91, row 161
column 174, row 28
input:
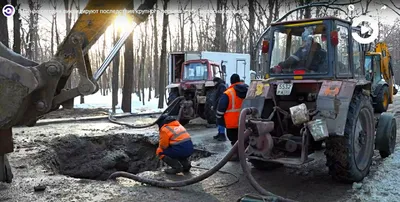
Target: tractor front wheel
column 386, row 134
column 209, row 113
column 349, row 157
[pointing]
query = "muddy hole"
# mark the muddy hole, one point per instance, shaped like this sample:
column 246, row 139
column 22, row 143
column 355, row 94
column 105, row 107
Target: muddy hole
column 98, row 157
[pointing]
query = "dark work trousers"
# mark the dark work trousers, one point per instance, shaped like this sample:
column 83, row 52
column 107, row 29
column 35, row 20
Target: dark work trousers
column 232, row 134
column 180, row 151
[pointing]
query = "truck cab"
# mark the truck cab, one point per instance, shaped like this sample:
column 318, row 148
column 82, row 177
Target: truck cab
column 200, row 70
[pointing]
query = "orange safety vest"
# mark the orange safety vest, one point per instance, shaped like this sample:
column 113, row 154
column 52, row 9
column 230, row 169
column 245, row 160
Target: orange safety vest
column 171, row 134
column 232, row 113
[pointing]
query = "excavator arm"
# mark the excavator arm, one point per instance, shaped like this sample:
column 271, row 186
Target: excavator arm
column 29, row 90
column 386, row 68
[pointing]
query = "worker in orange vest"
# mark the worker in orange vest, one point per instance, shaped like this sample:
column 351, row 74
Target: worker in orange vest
column 229, row 108
column 175, row 145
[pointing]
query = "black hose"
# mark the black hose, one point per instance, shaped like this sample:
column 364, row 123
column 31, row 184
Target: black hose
column 182, row 183
column 242, row 135
column 174, row 104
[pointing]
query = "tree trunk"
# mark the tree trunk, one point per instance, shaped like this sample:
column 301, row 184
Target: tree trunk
column 182, row 29
column 4, row 28
column 143, row 62
column 155, row 60
column 115, row 72
column 150, row 63
column 251, row 33
column 163, row 58
column 17, row 27
column 128, row 76
column 127, row 89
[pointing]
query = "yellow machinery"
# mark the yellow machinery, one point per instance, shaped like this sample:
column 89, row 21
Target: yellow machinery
column 379, row 71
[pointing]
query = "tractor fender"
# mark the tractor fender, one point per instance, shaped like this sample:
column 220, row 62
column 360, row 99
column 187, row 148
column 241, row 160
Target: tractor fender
column 333, row 103
column 378, row 87
column 256, row 95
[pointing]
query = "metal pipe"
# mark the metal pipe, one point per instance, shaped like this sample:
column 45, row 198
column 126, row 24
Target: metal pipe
column 113, row 52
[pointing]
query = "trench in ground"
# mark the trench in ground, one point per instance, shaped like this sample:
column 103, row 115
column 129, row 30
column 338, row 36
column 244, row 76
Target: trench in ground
column 99, row 156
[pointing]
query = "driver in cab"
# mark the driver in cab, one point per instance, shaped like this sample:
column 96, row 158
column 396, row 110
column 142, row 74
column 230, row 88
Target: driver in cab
column 310, row 56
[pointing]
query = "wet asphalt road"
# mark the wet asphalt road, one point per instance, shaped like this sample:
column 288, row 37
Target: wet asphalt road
column 309, row 182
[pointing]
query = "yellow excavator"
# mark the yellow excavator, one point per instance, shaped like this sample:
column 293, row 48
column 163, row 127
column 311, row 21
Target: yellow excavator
column 29, row 90
column 380, row 72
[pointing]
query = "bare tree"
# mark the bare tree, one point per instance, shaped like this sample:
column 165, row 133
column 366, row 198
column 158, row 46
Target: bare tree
column 115, row 72
column 251, row 32
column 163, row 58
column 127, row 89
column 395, row 7
column 155, row 60
column 4, row 29
column 16, row 27
column 143, row 62
column 220, row 27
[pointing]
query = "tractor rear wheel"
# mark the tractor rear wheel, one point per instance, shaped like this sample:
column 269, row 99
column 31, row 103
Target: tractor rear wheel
column 349, row 157
column 5, row 169
column 209, row 113
column 382, row 100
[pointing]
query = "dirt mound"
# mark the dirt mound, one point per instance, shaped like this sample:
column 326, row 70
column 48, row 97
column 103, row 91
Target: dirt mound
column 97, row 157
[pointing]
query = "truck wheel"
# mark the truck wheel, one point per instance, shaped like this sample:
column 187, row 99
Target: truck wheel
column 382, row 100
column 264, row 165
column 386, row 134
column 208, row 112
column 349, row 157
column 5, row 169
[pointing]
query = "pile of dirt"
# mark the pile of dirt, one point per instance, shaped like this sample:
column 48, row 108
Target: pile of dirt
column 75, row 113
column 99, row 156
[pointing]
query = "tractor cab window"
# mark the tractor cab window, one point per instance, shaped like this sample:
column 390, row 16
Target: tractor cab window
column 195, row 71
column 342, row 65
column 358, row 71
column 368, row 68
column 217, row 71
column 299, row 50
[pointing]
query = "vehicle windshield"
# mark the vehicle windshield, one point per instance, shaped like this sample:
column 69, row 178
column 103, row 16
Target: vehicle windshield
column 299, row 49
column 368, row 67
column 195, row 71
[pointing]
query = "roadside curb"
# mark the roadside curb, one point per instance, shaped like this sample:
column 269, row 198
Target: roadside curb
column 90, row 118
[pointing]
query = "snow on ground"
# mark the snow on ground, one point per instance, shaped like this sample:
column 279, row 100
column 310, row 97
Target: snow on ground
column 98, row 101
column 383, row 185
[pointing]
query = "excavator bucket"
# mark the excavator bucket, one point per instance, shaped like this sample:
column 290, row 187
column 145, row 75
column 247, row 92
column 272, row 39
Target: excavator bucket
column 16, row 82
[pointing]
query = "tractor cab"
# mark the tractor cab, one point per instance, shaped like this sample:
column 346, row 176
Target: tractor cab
column 200, row 70
column 312, row 48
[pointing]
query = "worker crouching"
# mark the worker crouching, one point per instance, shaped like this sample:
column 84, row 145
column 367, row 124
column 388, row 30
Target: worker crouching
column 175, row 145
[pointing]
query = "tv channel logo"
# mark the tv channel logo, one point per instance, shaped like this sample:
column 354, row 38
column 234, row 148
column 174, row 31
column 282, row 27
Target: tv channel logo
column 8, row 10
